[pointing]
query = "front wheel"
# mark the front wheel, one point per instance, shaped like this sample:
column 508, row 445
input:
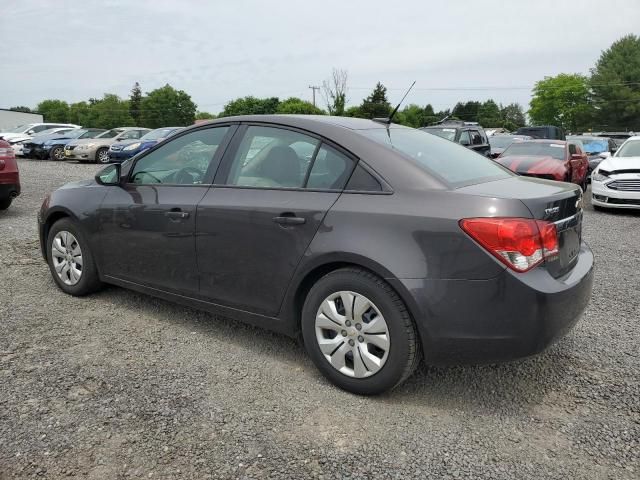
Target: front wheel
column 70, row 259
column 57, row 153
column 358, row 332
column 102, row 155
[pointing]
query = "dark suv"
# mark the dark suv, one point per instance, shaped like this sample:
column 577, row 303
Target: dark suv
column 468, row 134
column 543, row 131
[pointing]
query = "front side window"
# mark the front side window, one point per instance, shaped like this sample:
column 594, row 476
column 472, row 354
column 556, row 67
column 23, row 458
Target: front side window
column 183, row 161
column 454, row 164
column 272, row 158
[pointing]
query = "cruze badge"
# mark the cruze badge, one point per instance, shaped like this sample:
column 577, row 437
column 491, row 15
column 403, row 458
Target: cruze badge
column 551, row 211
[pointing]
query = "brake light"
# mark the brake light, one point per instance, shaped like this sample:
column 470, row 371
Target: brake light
column 519, row 243
column 7, row 152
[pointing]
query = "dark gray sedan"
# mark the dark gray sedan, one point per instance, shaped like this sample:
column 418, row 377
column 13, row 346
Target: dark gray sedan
column 376, row 244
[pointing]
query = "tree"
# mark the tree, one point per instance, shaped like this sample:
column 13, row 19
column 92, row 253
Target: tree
column 376, row 105
column 80, row 114
column 467, row 111
column 109, row 112
column 615, row 82
column 489, row 114
column 135, row 101
column 295, row 105
column 251, row 106
column 54, row 110
column 512, row 116
column 204, row 116
column 334, row 91
column 353, row 112
column 21, row 109
column 167, row 107
column 563, row 101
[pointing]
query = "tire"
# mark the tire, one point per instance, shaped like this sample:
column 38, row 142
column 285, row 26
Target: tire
column 5, row 203
column 402, row 348
column 56, row 153
column 102, row 155
column 88, row 280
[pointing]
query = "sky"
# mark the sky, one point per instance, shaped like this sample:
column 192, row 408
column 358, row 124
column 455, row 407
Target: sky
column 219, row 50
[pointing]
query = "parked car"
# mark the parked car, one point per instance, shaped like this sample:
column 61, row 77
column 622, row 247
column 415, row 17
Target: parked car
column 554, row 160
column 31, row 129
column 543, row 131
column 97, row 149
column 18, row 142
column 121, row 151
column 500, row 142
column 467, row 134
column 52, row 146
column 9, row 175
column 596, row 148
column 615, row 183
column 382, row 246
column 618, row 137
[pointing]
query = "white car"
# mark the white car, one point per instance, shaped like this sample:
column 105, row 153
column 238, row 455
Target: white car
column 615, row 183
column 31, row 129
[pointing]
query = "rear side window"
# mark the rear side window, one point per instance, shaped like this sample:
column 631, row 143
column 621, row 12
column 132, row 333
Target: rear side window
column 454, row 164
column 363, row 181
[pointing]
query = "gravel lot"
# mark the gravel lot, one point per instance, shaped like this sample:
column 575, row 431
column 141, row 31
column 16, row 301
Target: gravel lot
column 122, row 385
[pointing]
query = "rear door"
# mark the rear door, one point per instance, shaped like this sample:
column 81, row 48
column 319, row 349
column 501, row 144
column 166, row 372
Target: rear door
column 148, row 225
column 272, row 192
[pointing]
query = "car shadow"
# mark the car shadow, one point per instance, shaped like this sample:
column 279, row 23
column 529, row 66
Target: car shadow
column 487, row 389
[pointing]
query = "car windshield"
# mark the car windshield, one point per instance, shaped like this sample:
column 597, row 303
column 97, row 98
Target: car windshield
column 451, row 162
column 631, row 148
column 157, row 134
column 536, row 149
column 77, row 133
column 91, row 133
column 110, row 133
column 20, row 129
column 594, row 145
column 448, row 133
column 502, row 141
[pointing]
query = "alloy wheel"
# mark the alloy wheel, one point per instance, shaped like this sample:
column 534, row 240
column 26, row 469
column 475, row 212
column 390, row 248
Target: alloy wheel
column 352, row 334
column 103, row 156
column 67, row 257
column 58, row 153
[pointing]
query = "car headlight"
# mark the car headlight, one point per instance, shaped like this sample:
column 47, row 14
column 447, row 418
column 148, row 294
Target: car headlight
column 599, row 175
column 133, row 146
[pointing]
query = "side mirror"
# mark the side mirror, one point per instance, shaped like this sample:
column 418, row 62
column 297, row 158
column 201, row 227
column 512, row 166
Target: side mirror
column 109, row 175
column 604, row 155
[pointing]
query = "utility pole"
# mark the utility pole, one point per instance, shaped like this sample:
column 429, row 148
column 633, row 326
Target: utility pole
column 314, row 93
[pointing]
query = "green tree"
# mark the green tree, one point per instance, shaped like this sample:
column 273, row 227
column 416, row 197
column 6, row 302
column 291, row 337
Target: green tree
column 108, row 112
column 251, row 106
column 615, row 82
column 466, row 111
column 295, row 105
column 563, row 101
column 80, row 114
column 376, row 105
column 353, row 112
column 54, row 110
column 489, row 114
column 167, row 107
column 21, row 109
column 204, row 116
column 512, row 116
column 135, row 101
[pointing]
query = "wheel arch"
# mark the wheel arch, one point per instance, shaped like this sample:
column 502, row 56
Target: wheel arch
column 53, row 217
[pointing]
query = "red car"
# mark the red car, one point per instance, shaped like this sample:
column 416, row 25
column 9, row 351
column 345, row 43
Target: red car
column 9, row 176
column 560, row 160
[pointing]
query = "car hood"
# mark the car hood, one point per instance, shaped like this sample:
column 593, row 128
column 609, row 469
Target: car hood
column 613, row 164
column 13, row 136
column 531, row 164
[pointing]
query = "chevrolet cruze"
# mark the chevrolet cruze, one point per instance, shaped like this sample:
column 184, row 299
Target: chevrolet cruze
column 376, row 244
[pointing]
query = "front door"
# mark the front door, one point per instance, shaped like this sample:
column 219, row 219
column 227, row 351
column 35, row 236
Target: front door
column 147, row 225
column 278, row 185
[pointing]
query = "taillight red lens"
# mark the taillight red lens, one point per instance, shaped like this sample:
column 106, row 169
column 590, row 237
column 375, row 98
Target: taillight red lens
column 519, row 243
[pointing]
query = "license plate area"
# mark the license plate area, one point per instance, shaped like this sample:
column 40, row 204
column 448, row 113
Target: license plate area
column 569, row 240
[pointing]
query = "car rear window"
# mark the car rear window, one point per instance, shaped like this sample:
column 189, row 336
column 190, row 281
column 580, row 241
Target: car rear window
column 453, row 163
column 537, row 149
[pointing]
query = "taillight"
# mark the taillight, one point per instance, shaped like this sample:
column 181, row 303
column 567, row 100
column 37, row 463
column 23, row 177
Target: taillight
column 519, row 243
column 7, row 152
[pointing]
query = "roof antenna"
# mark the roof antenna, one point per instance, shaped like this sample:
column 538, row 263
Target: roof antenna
column 395, row 110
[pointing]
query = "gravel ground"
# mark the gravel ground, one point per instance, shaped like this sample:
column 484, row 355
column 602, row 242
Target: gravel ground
column 122, row 385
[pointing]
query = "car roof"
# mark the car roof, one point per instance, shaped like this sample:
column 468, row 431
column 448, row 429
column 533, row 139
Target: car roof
column 351, row 123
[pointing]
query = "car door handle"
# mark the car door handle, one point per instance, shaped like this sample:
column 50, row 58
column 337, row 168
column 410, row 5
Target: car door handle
column 289, row 219
column 177, row 214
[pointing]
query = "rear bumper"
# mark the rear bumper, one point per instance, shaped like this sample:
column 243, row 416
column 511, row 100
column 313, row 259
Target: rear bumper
column 508, row 317
column 10, row 189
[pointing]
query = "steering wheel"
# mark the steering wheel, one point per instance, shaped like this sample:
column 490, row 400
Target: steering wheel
column 188, row 175
column 135, row 176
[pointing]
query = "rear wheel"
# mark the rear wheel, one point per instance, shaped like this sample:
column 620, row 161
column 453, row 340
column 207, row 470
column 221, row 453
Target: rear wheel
column 5, row 203
column 57, row 153
column 102, row 155
column 70, row 259
column 358, row 332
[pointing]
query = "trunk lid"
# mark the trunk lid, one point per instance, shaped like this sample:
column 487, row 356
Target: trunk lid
column 557, row 202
